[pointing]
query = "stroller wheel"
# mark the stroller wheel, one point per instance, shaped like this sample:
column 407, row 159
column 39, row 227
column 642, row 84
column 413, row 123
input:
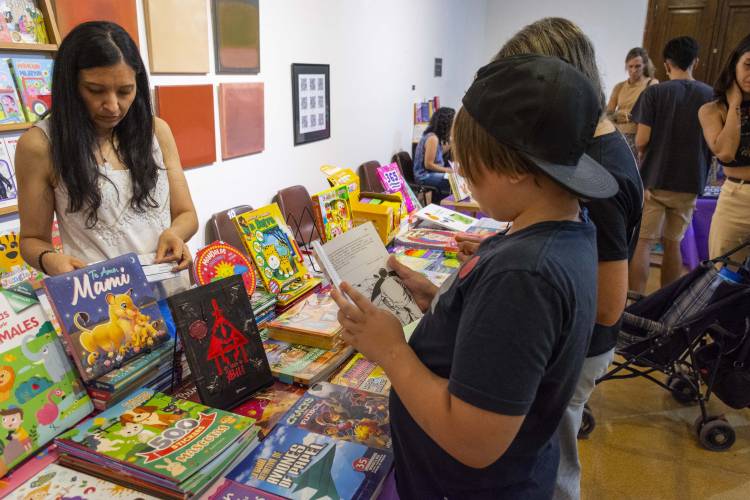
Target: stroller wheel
column 717, row 435
column 587, row 423
column 699, row 422
column 683, row 390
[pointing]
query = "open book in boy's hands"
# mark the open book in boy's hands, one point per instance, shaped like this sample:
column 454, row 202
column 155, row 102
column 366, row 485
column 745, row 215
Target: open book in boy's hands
column 359, row 258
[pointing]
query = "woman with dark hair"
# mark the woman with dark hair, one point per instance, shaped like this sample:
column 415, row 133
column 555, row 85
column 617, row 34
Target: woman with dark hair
column 429, row 164
column 101, row 162
column 625, row 94
column 726, row 128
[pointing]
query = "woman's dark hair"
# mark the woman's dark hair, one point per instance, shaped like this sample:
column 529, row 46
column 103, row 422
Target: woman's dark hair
column 440, row 123
column 72, row 133
column 728, row 75
column 648, row 66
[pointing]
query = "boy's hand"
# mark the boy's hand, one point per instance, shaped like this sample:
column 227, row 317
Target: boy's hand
column 374, row 332
column 466, row 247
column 420, row 287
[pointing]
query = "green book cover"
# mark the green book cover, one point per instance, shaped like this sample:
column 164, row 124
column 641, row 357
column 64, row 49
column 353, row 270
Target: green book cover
column 158, row 434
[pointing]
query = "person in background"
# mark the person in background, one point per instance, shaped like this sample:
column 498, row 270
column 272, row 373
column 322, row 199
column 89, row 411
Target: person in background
column 674, row 160
column 617, row 220
column 101, row 162
column 430, row 166
column 726, row 127
column 479, row 389
column 640, row 75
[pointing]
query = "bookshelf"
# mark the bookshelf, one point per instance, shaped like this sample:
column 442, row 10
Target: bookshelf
column 49, row 49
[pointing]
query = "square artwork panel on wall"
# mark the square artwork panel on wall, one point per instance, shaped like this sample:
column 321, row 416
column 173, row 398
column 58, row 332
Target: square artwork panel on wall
column 242, row 119
column 189, row 111
column 236, row 35
column 177, row 35
column 71, row 13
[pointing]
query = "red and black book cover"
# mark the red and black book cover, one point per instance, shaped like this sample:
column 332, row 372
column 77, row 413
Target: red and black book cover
column 221, row 342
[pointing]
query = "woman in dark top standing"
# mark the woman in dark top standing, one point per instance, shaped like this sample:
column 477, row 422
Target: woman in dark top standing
column 429, row 163
column 726, row 128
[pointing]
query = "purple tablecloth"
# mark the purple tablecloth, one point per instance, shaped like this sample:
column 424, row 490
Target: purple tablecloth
column 389, row 488
column 695, row 242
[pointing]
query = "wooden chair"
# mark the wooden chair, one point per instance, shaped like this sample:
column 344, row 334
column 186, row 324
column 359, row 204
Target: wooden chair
column 296, row 207
column 221, row 227
column 368, row 175
column 425, row 193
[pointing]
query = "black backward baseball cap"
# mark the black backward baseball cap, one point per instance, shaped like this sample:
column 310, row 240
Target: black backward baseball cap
column 547, row 110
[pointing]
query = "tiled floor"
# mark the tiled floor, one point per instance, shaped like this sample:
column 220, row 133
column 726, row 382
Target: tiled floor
column 643, row 447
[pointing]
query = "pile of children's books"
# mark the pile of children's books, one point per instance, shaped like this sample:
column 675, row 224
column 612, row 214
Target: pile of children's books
column 197, row 398
column 158, row 444
column 312, row 321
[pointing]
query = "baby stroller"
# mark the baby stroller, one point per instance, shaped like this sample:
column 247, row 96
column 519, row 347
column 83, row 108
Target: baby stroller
column 696, row 332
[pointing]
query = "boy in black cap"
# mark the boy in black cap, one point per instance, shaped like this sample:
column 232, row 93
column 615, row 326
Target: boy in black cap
column 479, row 389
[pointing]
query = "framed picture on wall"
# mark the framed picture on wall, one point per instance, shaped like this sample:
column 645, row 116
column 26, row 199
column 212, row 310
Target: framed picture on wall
column 311, row 102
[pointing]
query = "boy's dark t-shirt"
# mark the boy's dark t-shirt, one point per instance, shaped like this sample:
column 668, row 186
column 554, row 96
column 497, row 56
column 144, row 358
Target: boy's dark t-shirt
column 509, row 331
column 617, row 219
column 677, row 157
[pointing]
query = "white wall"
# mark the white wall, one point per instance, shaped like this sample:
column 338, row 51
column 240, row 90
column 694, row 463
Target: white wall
column 614, row 27
column 377, row 50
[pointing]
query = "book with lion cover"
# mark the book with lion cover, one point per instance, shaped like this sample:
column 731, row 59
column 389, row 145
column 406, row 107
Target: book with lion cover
column 107, row 314
column 178, row 445
column 40, row 393
column 275, row 254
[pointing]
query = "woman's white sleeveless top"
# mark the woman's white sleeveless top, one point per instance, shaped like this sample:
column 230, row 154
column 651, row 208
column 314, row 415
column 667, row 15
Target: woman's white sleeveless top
column 120, row 229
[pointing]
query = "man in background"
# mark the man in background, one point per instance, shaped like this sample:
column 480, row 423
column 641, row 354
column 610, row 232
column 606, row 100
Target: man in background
column 674, row 160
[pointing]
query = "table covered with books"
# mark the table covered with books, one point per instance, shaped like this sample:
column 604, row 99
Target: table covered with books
column 114, row 378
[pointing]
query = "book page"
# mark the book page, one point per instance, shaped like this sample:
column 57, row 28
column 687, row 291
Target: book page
column 359, row 258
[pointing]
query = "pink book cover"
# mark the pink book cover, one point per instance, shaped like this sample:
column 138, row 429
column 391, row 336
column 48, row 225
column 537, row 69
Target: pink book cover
column 393, row 182
column 27, row 470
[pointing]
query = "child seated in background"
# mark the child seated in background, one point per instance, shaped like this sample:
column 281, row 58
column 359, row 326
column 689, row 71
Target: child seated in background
column 479, row 390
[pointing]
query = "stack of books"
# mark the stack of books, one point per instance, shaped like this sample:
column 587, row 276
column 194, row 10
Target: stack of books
column 155, row 369
column 264, row 306
column 301, row 364
column 334, row 443
column 312, row 321
column 159, row 445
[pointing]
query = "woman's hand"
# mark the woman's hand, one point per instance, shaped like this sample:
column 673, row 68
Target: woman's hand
column 60, row 263
column 466, row 247
column 734, row 96
column 422, row 289
column 171, row 248
column 374, row 332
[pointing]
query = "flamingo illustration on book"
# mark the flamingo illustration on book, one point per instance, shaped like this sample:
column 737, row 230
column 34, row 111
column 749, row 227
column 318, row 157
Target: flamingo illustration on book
column 48, row 413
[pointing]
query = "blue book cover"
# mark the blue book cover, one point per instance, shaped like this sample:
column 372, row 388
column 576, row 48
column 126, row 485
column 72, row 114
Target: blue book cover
column 298, row 464
column 107, row 313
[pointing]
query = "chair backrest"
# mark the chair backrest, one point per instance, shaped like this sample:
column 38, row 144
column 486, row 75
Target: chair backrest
column 405, row 163
column 221, row 227
column 296, row 208
column 368, row 173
